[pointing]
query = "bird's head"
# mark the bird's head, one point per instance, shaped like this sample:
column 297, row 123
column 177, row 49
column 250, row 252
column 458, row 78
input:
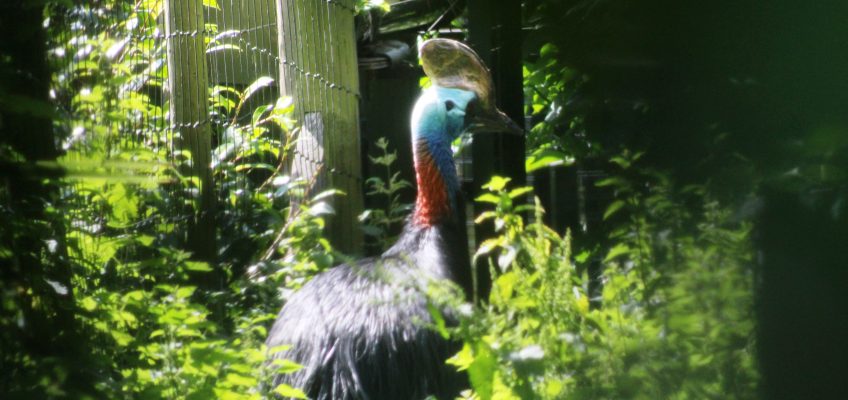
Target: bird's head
column 458, row 73
column 459, row 100
column 440, row 114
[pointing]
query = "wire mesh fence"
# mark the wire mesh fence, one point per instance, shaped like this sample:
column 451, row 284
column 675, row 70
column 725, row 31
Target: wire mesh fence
column 231, row 92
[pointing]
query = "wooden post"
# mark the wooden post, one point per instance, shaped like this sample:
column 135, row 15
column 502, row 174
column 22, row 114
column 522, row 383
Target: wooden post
column 188, row 86
column 494, row 30
column 318, row 69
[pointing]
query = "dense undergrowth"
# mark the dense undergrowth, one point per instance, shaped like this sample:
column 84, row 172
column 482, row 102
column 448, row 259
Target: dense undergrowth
column 670, row 319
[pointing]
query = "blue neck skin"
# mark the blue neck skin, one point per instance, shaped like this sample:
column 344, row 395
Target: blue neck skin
column 434, row 126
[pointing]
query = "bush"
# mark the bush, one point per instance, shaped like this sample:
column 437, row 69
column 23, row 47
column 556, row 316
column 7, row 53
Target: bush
column 673, row 318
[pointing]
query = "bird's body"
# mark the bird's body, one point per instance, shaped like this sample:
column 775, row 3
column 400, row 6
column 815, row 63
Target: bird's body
column 362, row 330
column 375, row 343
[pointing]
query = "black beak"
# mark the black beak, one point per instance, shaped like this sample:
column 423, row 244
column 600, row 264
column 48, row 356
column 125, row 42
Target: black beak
column 491, row 121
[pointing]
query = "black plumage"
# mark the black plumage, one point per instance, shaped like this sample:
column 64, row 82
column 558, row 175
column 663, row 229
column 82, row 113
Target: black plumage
column 363, row 330
column 360, row 330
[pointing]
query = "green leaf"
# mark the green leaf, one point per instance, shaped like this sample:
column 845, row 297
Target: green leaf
column 463, row 359
column 488, row 198
column 288, row 391
column 220, row 90
column 487, row 246
column 515, row 193
column 240, row 380
column 438, row 320
column 198, row 266
column 185, row 292
column 506, row 285
column 88, row 304
column 259, row 112
column 283, row 366
column 484, row 216
column 611, row 181
column 284, row 105
column 145, row 240
column 497, row 183
column 615, row 206
column 254, row 87
column 548, row 50
column 546, row 157
column 583, row 256
column 621, row 161
column 223, row 47
column 482, row 370
column 617, row 250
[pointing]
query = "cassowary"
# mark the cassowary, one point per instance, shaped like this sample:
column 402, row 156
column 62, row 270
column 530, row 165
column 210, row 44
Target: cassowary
column 361, row 330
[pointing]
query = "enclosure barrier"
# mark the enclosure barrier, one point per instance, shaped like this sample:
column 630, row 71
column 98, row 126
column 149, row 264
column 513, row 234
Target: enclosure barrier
column 200, row 71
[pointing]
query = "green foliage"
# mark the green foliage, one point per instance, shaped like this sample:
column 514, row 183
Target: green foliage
column 378, row 223
column 557, row 134
column 154, row 334
column 672, row 319
column 368, row 5
column 158, row 323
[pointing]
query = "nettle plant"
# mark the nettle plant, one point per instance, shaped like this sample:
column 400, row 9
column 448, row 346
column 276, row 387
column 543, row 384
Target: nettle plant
column 387, row 188
column 154, row 333
column 673, row 317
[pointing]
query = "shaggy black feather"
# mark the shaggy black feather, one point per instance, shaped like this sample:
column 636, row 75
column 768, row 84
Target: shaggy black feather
column 361, row 330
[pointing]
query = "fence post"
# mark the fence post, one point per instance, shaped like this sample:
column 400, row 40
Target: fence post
column 318, row 69
column 187, row 85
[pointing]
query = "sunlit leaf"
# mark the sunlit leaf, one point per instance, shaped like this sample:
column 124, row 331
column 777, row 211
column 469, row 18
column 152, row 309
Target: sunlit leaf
column 254, row 87
column 497, row 183
column 283, row 366
column 618, row 250
column 543, row 158
column 223, row 47
column 488, row 198
column 288, row 391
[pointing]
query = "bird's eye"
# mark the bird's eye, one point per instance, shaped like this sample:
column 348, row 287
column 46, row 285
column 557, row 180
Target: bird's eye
column 449, row 105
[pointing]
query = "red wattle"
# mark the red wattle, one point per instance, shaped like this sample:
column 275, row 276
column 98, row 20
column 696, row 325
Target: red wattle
column 432, row 203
